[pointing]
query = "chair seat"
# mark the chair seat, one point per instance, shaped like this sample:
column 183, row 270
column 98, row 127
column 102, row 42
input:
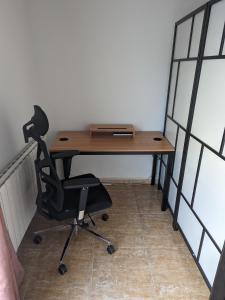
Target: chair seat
column 98, row 199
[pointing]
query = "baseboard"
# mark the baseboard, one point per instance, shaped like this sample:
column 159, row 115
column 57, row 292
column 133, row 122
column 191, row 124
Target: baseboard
column 126, row 180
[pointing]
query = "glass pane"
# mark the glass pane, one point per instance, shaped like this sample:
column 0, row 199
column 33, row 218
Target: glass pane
column 191, row 169
column 182, row 40
column 209, row 201
column 209, row 259
column 196, row 35
column 165, row 158
column 184, row 92
column 162, row 178
column 190, row 226
column 208, row 123
column 179, row 154
column 172, row 88
column 215, row 30
column 172, row 195
column 171, row 131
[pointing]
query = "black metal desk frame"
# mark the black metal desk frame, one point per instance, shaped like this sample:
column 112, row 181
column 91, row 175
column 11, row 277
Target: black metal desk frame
column 67, row 162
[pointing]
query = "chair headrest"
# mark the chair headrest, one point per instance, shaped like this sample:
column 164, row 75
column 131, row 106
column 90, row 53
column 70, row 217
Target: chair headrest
column 38, row 125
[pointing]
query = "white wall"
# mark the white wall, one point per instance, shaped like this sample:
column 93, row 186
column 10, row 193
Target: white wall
column 16, row 83
column 105, row 61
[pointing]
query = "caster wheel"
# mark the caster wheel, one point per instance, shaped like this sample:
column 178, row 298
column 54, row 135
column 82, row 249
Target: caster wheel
column 37, row 239
column 105, row 217
column 110, row 249
column 62, row 269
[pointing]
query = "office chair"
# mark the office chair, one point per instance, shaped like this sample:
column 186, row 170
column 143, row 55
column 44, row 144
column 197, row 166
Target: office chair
column 73, row 198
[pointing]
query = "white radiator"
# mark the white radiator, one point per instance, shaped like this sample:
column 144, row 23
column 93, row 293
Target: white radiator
column 18, row 193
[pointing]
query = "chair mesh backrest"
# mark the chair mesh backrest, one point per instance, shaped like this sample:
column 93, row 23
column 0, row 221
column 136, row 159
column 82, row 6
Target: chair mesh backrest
column 50, row 191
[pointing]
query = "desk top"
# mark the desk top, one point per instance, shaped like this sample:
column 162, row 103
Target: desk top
column 143, row 143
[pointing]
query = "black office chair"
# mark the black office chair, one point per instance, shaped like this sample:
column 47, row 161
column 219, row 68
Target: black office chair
column 74, row 198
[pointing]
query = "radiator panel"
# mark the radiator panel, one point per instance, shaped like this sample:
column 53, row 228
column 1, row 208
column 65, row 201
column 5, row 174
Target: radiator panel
column 18, row 193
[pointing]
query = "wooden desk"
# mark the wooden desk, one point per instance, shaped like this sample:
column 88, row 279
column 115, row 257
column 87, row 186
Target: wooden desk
column 144, row 143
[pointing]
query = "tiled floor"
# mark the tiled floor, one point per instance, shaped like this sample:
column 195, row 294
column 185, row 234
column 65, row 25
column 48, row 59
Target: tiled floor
column 152, row 261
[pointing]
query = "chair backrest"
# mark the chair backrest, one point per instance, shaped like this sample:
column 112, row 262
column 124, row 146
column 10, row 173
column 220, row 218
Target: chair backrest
column 50, row 192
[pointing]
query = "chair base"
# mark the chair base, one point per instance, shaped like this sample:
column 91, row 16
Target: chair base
column 73, row 228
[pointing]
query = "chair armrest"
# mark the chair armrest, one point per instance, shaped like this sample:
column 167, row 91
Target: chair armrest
column 65, row 154
column 78, row 183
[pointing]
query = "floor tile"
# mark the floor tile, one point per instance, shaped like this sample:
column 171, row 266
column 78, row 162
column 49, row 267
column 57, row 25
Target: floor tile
column 152, row 261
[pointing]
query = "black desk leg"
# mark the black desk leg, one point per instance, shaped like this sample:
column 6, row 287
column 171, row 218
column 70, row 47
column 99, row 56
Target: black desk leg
column 67, row 167
column 154, row 167
column 169, row 171
column 160, row 170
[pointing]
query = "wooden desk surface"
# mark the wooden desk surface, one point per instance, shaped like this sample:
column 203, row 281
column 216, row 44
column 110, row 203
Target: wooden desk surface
column 142, row 143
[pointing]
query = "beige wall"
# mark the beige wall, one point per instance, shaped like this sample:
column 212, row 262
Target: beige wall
column 16, row 82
